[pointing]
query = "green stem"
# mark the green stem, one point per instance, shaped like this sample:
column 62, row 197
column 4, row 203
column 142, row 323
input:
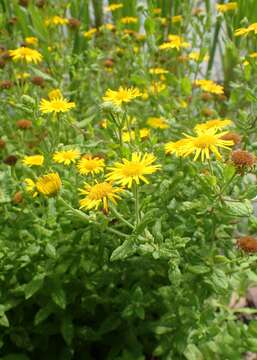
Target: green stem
column 86, row 218
column 120, row 217
column 136, row 195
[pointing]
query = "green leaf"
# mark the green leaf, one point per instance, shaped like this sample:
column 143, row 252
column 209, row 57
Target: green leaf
column 193, row 353
column 239, row 209
column 228, row 173
column 4, row 321
column 43, row 314
column 15, row 357
column 186, row 86
column 33, row 286
column 50, row 251
column 67, row 330
column 219, row 280
column 198, row 269
column 123, row 251
column 59, row 297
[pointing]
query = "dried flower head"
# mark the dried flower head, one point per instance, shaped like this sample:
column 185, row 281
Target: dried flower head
column 74, row 23
column 6, row 84
column 247, row 244
column 242, row 159
column 11, row 160
column 24, row 124
column 236, row 138
column 17, row 198
column 2, row 144
column 38, row 81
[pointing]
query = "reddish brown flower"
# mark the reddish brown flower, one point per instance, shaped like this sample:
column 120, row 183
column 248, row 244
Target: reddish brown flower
column 207, row 112
column 40, row 3
column 242, row 158
column 74, row 23
column 247, row 244
column 11, row 160
column 6, row 84
column 236, row 138
column 24, row 3
column 108, row 63
column 2, row 144
column 24, row 124
column 206, row 96
column 17, row 197
column 38, row 81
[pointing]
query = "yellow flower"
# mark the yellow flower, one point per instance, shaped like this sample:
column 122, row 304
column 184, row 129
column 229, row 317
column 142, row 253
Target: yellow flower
column 31, row 187
column 100, row 193
column 157, row 123
column 49, row 184
column 54, row 94
column 156, row 87
column 246, row 31
column 90, row 165
column 196, row 56
column 56, row 20
column 129, row 20
column 66, row 157
column 158, row 71
column 55, row 105
column 203, row 144
column 216, row 124
column 34, row 160
column 89, row 33
column 22, row 76
column 134, row 170
column 176, row 19
column 122, row 95
column 113, row 7
column 107, row 26
column 128, row 136
column 174, row 42
column 173, row 147
column 31, row 40
column 210, row 86
column 226, row 7
column 104, row 123
column 27, row 54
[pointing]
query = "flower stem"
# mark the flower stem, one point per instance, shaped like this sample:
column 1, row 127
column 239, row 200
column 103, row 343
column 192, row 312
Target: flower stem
column 120, row 217
column 137, row 206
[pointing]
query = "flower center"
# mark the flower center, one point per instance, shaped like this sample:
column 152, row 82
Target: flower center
column 204, row 141
column 100, row 191
column 133, row 169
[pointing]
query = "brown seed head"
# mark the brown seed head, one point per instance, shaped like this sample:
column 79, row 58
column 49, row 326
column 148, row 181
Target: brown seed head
column 17, row 197
column 247, row 244
column 108, row 63
column 206, row 96
column 40, row 3
column 74, row 23
column 11, row 160
column 24, row 124
column 2, row 144
column 6, row 84
column 242, row 158
column 236, row 138
column 207, row 112
column 24, row 3
column 38, row 81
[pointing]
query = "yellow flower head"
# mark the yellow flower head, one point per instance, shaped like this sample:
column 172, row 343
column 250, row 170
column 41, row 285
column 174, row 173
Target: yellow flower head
column 215, row 124
column 26, row 54
column 31, row 187
column 158, row 71
column 210, row 86
column 122, row 95
column 107, row 26
column 54, row 94
column 203, row 144
column 22, row 76
column 34, row 160
column 173, row 147
column 129, row 20
column 90, row 165
column 134, row 170
column 144, row 133
column 226, row 7
column 196, row 56
column 113, row 7
column 246, row 31
column 156, row 87
column 66, row 157
column 157, row 123
column 56, row 20
column 100, row 193
column 176, row 19
column 49, row 184
column 31, row 40
column 129, row 136
column 55, row 105
column 89, row 34
column 174, row 42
